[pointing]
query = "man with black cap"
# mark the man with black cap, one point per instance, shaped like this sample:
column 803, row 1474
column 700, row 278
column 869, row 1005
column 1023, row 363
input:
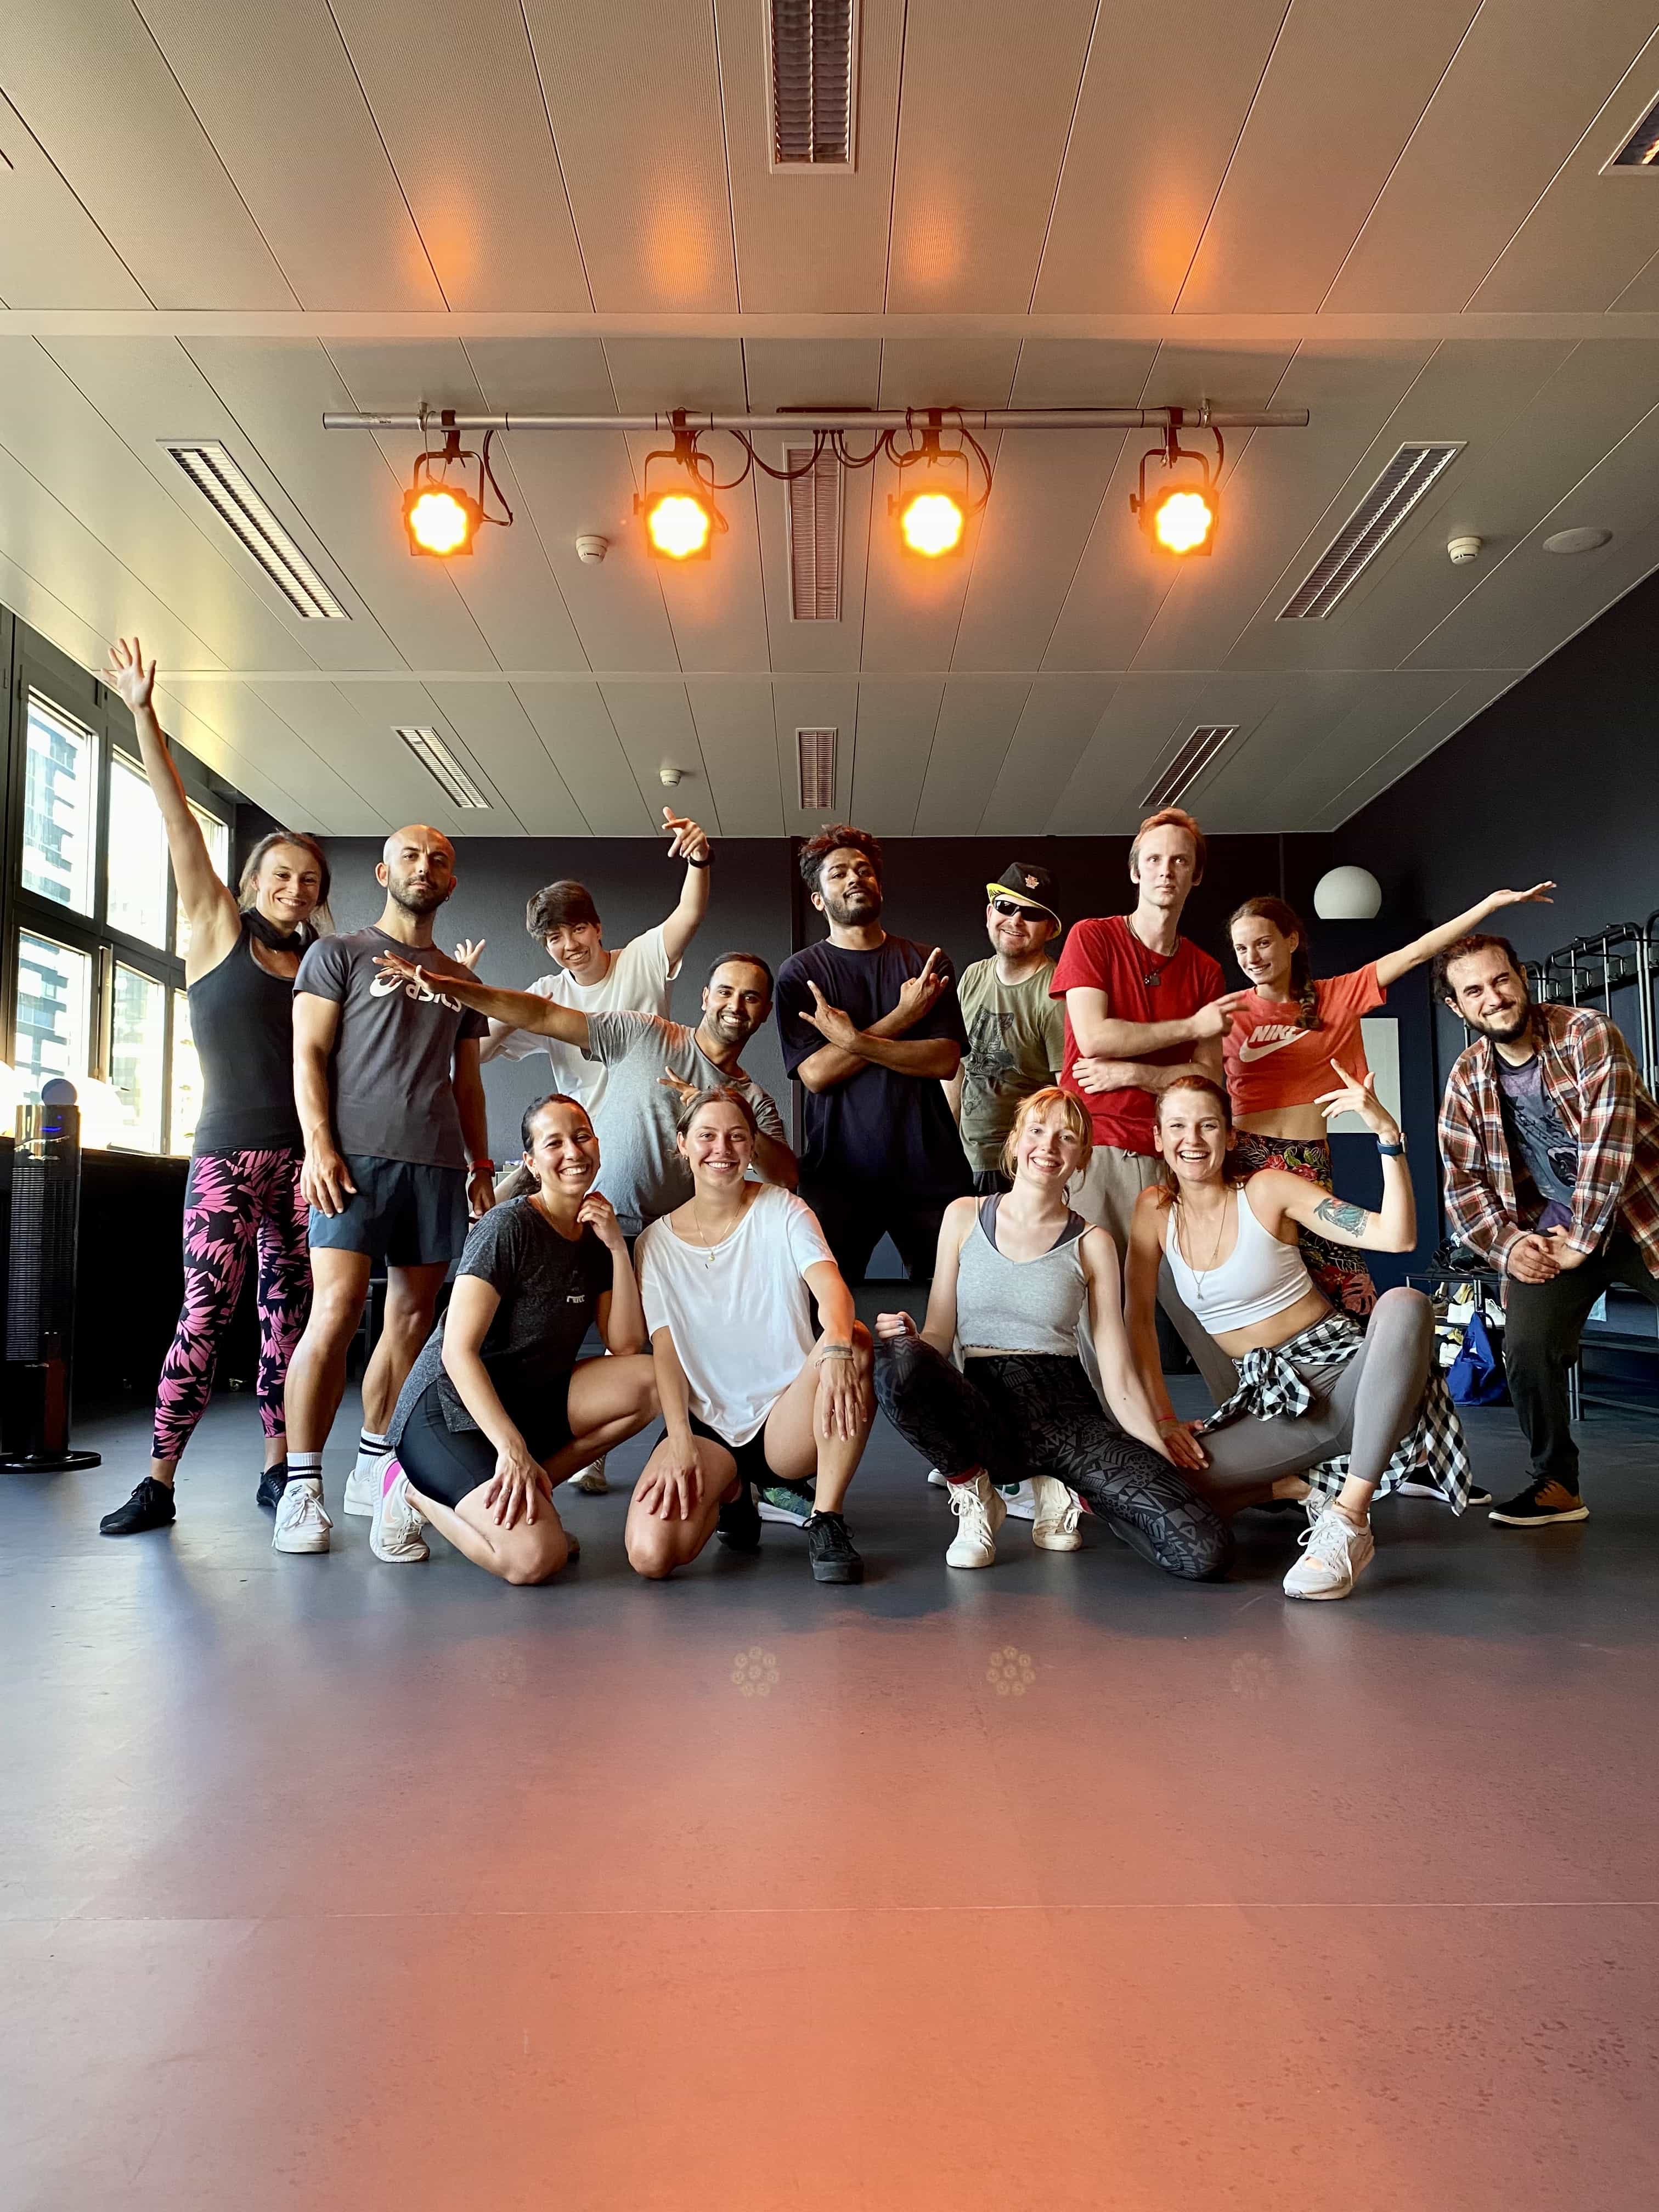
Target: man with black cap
column 1015, row 1030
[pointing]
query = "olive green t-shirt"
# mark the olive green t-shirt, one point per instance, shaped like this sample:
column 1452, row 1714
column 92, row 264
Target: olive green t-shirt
column 1016, row 1044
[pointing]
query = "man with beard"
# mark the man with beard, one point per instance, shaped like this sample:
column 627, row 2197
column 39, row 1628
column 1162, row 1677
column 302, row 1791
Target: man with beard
column 1551, row 1152
column 652, row 1065
column 870, row 1025
column 391, row 1108
column 1016, row 1029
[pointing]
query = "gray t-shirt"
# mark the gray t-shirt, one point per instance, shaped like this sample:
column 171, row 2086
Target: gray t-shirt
column 1543, row 1151
column 389, row 1078
column 641, row 1170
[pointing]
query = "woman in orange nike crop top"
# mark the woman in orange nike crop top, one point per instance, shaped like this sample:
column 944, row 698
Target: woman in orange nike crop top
column 1279, row 1051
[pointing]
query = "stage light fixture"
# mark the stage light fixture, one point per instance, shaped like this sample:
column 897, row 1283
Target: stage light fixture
column 442, row 518
column 931, row 523
column 1180, row 517
column 933, row 516
column 680, row 525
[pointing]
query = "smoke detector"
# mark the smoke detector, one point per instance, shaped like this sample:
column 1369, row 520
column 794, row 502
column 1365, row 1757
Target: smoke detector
column 590, row 548
column 1462, row 551
column 669, row 776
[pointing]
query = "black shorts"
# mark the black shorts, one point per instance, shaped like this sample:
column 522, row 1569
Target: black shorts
column 750, row 1457
column 449, row 1464
column 405, row 1212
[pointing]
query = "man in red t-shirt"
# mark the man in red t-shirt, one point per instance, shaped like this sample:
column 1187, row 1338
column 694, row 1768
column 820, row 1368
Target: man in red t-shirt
column 1142, row 1007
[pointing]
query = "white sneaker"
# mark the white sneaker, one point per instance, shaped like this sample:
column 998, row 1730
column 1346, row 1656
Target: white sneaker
column 590, row 1479
column 1057, row 1509
column 1021, row 1500
column 301, row 1524
column 980, row 1513
column 937, row 1480
column 1335, row 1554
column 394, row 1535
column 362, row 1488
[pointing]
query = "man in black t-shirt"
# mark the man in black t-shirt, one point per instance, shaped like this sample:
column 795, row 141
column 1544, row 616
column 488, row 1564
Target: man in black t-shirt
column 870, row 1025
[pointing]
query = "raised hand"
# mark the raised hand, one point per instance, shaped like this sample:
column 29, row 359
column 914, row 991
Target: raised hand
column 1359, row 1096
column 831, row 1023
column 677, row 1084
column 687, row 840
column 129, row 675
column 468, row 950
column 1538, row 896
column 1217, row 1019
column 921, row 993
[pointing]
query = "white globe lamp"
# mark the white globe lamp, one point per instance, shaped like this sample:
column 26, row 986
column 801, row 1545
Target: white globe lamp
column 1348, row 895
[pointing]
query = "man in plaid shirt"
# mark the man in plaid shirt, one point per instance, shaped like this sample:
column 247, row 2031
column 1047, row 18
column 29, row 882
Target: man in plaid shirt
column 1552, row 1152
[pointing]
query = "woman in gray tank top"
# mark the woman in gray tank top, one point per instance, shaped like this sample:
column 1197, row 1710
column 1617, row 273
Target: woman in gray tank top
column 1016, row 1280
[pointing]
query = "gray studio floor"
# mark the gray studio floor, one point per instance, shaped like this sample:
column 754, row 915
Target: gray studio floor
column 326, row 1884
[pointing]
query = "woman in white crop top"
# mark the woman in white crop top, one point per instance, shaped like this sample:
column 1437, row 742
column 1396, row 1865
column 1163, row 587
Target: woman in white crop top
column 1341, row 1410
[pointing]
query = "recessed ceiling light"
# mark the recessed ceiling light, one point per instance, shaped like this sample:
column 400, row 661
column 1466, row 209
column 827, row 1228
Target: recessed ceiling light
column 1577, row 541
column 216, row 476
column 1369, row 529
column 441, row 765
column 1182, row 770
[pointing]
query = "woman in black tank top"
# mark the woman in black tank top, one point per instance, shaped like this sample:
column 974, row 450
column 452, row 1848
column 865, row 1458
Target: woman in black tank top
column 243, row 1191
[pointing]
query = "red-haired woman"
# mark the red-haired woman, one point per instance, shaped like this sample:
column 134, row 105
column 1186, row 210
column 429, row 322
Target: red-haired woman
column 1291, row 1025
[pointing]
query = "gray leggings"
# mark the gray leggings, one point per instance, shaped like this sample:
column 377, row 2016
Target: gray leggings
column 1363, row 1409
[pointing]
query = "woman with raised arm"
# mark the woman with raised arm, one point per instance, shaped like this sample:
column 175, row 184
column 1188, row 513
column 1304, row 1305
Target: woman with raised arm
column 1326, row 1410
column 498, row 1409
column 1290, row 1025
column 750, row 1396
column 243, row 1192
column 1014, row 1277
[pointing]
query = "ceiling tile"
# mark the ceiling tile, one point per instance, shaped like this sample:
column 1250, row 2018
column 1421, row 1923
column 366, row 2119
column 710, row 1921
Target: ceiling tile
column 738, row 735
column 1044, row 500
column 976, row 722
column 491, row 723
column 1059, row 716
column 895, row 723
column 579, row 738
column 53, row 254
column 653, row 722
column 1103, row 793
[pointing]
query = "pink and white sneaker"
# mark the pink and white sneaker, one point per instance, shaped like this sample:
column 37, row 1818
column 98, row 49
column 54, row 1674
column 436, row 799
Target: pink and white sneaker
column 394, row 1534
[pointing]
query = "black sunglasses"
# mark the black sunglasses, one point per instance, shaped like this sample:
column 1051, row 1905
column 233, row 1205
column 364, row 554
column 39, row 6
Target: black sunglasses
column 1025, row 912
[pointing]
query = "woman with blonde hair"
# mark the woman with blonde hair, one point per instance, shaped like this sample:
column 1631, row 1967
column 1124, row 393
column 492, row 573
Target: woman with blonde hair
column 1015, row 1276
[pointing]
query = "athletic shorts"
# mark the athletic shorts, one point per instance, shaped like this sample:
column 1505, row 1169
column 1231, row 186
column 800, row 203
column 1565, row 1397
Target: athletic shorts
column 406, row 1211
column 750, row 1457
column 449, row 1464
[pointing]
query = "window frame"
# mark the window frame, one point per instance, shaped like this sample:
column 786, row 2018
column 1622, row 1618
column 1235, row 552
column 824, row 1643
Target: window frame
column 37, row 666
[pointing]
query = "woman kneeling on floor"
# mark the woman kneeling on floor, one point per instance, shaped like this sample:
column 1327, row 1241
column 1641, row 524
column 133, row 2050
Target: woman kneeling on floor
column 498, row 1409
column 1341, row 1410
column 748, row 1396
column 1011, row 1280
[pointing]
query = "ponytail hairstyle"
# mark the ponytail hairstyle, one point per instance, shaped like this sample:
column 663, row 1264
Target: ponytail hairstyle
column 1289, row 923
column 319, row 922
column 1207, row 1087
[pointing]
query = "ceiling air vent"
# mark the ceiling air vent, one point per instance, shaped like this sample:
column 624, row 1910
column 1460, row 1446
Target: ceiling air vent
column 813, row 48
column 1641, row 149
column 1367, row 530
column 814, row 518
column 816, row 751
column 216, row 477
column 1181, row 770
column 441, row 765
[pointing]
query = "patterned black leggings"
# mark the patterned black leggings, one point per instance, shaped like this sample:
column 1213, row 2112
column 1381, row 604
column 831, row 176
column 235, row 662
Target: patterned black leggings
column 1029, row 1414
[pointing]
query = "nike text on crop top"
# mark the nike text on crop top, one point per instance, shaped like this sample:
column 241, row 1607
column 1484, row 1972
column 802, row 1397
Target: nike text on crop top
column 1259, row 1277
column 1272, row 1062
column 1020, row 1305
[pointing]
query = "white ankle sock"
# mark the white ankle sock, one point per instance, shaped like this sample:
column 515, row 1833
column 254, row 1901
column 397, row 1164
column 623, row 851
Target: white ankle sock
column 305, row 1467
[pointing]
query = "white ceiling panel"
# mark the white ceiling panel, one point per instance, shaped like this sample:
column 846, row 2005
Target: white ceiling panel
column 1360, row 719
column 1059, row 716
column 967, row 231
column 841, row 213
column 736, row 733
column 1049, row 487
column 1082, row 372
column 579, row 738
column 1104, row 791
column 1375, row 769
column 830, row 704
column 1521, row 90
column 354, row 726
column 478, row 166
column 244, row 760
column 1164, row 97
column 967, row 368
column 652, row 375
column 27, row 597
column 93, row 88
column 634, row 94
column 310, row 156
column 896, row 720
column 491, row 723
column 53, row 254
column 325, row 785
column 976, row 722
column 653, row 722
column 1324, row 132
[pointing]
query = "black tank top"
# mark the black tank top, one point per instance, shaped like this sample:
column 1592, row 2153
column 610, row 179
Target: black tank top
column 241, row 1018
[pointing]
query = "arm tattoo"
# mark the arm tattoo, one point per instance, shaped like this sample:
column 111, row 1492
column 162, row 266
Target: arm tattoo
column 1341, row 1215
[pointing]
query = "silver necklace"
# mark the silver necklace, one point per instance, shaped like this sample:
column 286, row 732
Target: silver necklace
column 1154, row 976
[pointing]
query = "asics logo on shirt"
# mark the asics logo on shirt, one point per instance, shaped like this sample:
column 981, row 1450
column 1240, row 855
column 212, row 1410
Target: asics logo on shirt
column 1275, row 1036
column 384, row 985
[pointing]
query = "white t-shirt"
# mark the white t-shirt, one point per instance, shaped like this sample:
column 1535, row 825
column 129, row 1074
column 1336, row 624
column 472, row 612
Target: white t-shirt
column 740, row 1313
column 639, row 982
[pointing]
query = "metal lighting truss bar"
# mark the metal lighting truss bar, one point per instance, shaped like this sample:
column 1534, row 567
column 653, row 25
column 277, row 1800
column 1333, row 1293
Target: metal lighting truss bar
column 880, row 418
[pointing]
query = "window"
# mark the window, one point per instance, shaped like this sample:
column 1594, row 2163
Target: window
column 136, row 1052
column 216, row 836
column 53, row 1028
column 137, row 890
column 60, row 808
column 185, row 1108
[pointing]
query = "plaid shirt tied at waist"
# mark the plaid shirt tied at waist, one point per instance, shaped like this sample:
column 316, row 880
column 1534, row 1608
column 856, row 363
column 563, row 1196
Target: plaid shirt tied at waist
column 1270, row 1388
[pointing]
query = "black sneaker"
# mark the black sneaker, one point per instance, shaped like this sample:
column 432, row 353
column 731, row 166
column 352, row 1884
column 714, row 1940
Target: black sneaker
column 150, row 1506
column 1542, row 1504
column 272, row 1483
column 834, row 1560
column 739, row 1525
column 1418, row 1485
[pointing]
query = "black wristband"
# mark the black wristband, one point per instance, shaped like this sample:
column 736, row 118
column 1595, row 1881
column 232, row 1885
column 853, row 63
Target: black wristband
column 707, row 861
column 1392, row 1152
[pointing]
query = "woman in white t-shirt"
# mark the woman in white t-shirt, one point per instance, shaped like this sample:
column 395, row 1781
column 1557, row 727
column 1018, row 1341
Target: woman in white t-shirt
column 748, row 1395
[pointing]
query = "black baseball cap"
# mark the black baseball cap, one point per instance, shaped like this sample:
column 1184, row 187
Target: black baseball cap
column 1030, row 882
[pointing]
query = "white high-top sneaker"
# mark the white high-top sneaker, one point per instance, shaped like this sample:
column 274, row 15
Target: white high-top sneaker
column 301, row 1524
column 980, row 1513
column 590, row 1479
column 394, row 1535
column 1058, row 1510
column 1334, row 1555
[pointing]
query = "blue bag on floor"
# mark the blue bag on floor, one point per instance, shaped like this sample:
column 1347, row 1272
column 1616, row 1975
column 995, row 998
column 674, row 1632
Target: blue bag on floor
column 1475, row 1377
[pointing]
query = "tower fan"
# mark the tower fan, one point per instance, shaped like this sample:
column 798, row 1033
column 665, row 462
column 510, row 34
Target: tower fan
column 45, row 1217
